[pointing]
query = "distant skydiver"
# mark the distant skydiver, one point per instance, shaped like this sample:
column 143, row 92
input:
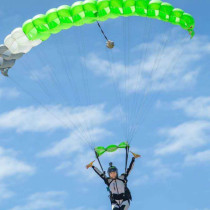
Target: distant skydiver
column 120, row 195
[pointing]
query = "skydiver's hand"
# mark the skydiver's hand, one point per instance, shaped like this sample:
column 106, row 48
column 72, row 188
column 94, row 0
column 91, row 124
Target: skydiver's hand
column 90, row 165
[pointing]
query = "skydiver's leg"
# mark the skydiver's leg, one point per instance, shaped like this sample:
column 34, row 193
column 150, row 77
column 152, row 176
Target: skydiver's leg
column 115, row 206
column 125, row 205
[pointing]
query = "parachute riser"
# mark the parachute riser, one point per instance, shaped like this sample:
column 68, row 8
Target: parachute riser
column 126, row 157
column 99, row 162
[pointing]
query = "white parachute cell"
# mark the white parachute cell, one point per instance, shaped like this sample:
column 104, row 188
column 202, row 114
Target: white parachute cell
column 17, row 42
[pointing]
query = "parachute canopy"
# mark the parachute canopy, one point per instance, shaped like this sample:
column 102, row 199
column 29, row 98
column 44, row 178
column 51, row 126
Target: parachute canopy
column 41, row 27
column 111, row 148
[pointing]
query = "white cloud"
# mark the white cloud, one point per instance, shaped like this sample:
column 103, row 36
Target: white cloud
column 40, row 119
column 140, row 180
column 11, row 166
column 199, row 157
column 194, row 107
column 5, row 193
column 184, row 137
column 9, row 93
column 35, row 74
column 165, row 76
column 44, row 200
column 161, row 170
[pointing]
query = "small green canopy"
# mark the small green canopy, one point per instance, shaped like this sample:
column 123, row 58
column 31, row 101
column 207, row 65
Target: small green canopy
column 111, row 148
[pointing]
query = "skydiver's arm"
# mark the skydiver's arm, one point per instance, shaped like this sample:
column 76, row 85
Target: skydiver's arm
column 130, row 166
column 101, row 174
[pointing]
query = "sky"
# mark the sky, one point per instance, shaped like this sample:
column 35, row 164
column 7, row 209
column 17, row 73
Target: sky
column 71, row 94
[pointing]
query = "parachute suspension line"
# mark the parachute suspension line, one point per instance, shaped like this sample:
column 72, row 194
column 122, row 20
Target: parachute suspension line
column 128, row 69
column 125, row 55
column 69, row 76
column 69, row 120
column 58, row 86
column 117, row 94
column 134, row 98
column 109, row 43
column 146, row 36
column 99, row 162
column 81, row 124
column 73, row 86
column 171, row 67
column 65, row 62
column 37, row 80
column 126, row 158
column 54, row 78
column 44, row 107
column 154, row 69
column 81, row 50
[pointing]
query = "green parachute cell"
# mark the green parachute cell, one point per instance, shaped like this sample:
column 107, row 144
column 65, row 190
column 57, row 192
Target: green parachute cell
column 175, row 16
column 112, row 148
column 65, row 17
column 165, row 11
column 53, row 21
column 154, row 9
column 42, row 27
column 116, row 8
column 142, row 7
column 90, row 8
column 100, row 150
column 129, row 7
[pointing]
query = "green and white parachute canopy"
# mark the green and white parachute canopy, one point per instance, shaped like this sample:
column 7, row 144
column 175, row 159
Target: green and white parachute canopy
column 111, row 148
column 41, row 27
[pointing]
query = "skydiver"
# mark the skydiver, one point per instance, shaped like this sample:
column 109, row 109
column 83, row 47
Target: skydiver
column 120, row 195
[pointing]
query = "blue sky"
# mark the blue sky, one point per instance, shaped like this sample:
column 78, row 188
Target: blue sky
column 71, row 92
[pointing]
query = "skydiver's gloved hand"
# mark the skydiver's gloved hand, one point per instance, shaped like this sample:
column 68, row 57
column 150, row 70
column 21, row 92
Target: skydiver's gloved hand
column 90, row 165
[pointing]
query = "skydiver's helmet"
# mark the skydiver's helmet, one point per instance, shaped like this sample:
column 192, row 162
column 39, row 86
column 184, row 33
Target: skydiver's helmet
column 112, row 169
